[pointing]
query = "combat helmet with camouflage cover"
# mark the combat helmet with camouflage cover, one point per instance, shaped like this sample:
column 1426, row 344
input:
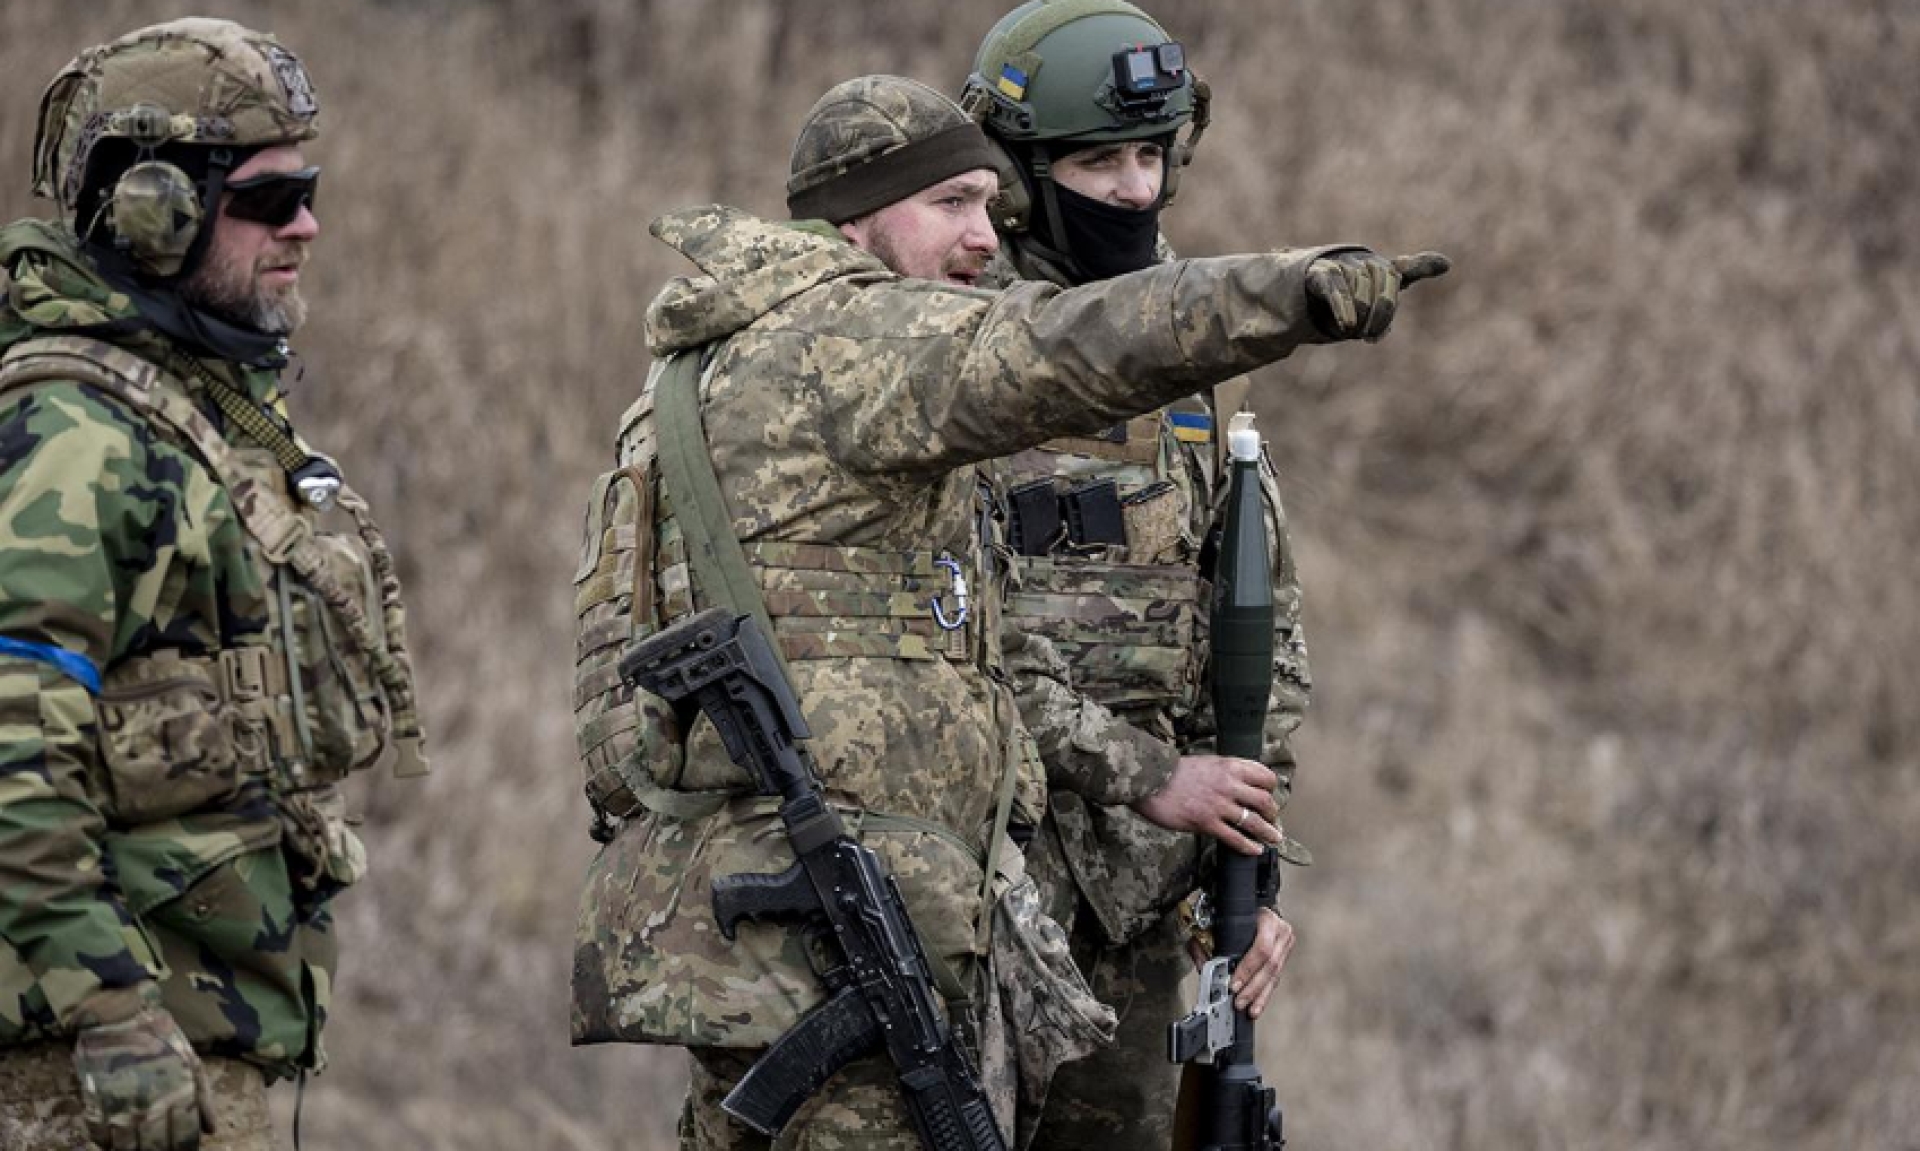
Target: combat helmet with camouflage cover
column 136, row 137
column 876, row 139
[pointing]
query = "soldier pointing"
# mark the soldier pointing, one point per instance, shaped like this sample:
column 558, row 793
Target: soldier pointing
column 849, row 376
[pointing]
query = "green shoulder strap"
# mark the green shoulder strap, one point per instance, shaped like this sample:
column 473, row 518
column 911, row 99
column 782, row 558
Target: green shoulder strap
column 686, row 468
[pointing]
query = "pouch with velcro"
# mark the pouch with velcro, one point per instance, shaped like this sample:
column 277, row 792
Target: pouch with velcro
column 341, row 712
column 626, row 740
column 164, row 745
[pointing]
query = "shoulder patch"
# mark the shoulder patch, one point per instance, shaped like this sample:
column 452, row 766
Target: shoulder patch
column 1191, row 427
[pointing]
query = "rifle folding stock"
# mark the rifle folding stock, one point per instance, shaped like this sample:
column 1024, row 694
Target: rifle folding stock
column 881, row 992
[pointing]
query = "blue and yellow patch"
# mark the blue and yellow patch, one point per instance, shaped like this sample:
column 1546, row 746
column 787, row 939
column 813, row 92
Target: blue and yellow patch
column 1191, row 427
column 1013, row 82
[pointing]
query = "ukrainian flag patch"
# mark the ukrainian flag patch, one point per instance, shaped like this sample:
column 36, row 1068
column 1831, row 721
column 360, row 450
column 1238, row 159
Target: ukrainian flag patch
column 1013, row 82
column 1191, row 427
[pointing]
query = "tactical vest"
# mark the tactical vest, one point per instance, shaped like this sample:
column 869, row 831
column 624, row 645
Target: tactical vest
column 327, row 690
column 1117, row 587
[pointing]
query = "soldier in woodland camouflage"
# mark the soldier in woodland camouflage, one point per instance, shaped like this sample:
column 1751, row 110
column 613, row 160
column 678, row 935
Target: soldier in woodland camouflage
column 1087, row 99
column 200, row 629
column 851, row 376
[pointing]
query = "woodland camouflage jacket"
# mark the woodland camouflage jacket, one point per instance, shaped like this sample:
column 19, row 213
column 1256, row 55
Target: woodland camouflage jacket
column 842, row 409
column 1112, row 675
column 151, row 826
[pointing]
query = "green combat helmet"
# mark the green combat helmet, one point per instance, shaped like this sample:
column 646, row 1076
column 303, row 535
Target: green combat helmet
column 1055, row 76
column 137, row 136
column 873, row 140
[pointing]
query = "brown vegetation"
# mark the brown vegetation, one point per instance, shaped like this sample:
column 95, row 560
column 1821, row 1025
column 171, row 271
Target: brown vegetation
column 1612, row 777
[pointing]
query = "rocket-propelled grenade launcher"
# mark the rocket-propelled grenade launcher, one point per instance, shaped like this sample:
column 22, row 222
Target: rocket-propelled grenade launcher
column 1237, row 1111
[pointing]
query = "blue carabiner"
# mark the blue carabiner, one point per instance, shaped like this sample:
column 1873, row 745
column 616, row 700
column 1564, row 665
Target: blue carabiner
column 959, row 594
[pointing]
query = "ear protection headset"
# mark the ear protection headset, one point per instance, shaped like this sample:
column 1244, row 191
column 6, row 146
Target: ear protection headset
column 156, row 213
column 1012, row 206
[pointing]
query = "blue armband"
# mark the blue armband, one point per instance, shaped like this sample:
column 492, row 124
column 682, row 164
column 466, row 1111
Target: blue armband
column 77, row 668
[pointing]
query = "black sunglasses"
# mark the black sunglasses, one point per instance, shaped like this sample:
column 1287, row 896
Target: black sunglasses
column 274, row 198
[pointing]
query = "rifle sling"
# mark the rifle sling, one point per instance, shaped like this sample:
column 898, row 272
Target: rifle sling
column 686, row 468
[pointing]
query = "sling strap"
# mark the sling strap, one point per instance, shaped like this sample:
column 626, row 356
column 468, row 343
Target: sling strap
column 686, row 468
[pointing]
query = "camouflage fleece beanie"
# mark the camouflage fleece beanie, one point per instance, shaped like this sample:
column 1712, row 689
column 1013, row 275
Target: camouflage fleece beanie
column 874, row 140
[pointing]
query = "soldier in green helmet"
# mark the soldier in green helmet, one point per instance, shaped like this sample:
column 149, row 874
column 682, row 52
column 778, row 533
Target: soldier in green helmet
column 851, row 375
column 200, row 629
column 1088, row 100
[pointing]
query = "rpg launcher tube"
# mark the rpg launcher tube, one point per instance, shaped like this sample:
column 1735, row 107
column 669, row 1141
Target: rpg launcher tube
column 1242, row 653
column 1240, row 1108
column 1242, row 622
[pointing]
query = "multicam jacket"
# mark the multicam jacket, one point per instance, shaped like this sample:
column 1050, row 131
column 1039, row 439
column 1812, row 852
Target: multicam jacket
column 179, row 698
column 1113, row 690
column 841, row 406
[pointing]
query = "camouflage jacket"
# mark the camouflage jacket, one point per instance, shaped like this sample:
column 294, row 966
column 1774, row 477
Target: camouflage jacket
column 1110, row 668
column 169, row 807
column 843, row 406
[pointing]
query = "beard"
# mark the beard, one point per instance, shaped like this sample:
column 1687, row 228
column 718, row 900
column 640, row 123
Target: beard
column 880, row 244
column 229, row 287
column 957, row 264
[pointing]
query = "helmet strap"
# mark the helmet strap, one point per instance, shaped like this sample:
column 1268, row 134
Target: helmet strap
column 1084, row 238
column 1181, row 154
column 1055, row 248
column 219, row 165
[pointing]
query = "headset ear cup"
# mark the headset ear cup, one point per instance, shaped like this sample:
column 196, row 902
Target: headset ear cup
column 1178, row 157
column 154, row 216
column 1012, row 206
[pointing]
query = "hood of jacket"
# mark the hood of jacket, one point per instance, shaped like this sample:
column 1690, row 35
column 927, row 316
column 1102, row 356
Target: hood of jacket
column 52, row 288
column 748, row 266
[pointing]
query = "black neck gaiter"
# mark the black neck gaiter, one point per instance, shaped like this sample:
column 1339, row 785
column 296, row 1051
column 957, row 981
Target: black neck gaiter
column 199, row 330
column 1101, row 239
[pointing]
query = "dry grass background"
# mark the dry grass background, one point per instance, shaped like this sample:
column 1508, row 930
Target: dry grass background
column 1612, row 777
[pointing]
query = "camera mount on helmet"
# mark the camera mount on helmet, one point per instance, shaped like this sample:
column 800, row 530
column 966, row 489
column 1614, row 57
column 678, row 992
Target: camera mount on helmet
column 1144, row 78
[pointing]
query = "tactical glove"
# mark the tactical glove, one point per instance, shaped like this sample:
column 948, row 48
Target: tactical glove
column 141, row 1085
column 1351, row 295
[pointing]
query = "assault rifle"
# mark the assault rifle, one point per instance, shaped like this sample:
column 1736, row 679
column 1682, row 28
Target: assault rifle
column 880, row 994
column 1235, row 1110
